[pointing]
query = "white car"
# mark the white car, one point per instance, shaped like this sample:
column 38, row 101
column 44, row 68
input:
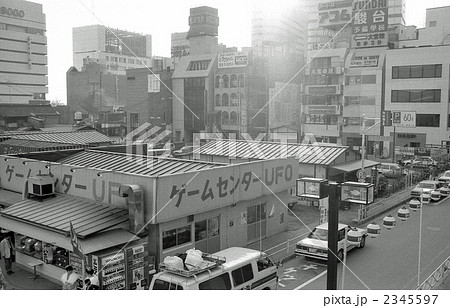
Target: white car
column 425, row 187
column 424, row 161
column 316, row 244
column 445, row 178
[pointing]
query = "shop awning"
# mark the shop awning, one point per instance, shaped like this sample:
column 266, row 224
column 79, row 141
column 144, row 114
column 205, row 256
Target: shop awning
column 355, row 165
column 89, row 245
column 55, row 214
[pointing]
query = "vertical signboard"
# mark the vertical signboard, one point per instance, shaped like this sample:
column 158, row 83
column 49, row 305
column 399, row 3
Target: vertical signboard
column 154, row 84
column 137, row 267
column 370, row 23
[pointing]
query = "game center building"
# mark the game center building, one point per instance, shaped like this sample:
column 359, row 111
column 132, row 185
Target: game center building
column 130, row 212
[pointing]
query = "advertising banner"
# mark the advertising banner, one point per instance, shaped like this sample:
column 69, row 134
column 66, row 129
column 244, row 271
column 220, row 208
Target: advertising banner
column 232, row 59
column 179, row 195
column 335, row 15
column 370, row 23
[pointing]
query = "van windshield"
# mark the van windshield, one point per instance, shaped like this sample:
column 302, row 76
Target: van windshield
column 319, row 234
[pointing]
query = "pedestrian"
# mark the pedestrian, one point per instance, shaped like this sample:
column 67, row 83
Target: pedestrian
column 91, row 281
column 7, row 253
column 69, row 279
column 2, row 280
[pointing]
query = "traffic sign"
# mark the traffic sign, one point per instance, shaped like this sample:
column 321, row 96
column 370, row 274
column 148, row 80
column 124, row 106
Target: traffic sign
column 361, row 174
column 404, row 118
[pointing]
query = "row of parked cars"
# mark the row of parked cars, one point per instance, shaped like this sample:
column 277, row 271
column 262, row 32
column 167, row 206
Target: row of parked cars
column 436, row 189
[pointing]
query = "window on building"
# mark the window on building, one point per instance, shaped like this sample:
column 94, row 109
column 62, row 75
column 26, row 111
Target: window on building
column 241, row 81
column 107, row 58
column 432, row 23
column 134, row 120
column 448, row 120
column 198, row 65
column 217, row 82
column 131, row 61
column 233, row 118
column 416, row 96
column 176, row 237
column 233, row 81
column 225, row 118
column 122, row 60
column 234, row 99
column 427, row 120
column 217, row 100
column 225, row 81
column 225, row 101
column 417, row 71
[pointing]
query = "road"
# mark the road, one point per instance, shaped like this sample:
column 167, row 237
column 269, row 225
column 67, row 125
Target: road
column 389, row 261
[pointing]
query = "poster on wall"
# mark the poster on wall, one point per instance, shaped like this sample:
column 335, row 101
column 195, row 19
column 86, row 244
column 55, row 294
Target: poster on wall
column 137, row 265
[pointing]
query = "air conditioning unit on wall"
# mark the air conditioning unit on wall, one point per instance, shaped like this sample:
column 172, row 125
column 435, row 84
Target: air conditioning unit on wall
column 41, row 186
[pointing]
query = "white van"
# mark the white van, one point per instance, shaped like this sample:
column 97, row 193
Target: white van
column 234, row 268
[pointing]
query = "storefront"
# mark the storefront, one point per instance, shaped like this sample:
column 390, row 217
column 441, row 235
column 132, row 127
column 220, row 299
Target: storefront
column 173, row 205
column 40, row 235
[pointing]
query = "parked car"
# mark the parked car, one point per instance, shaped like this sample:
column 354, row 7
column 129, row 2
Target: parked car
column 445, row 178
column 390, row 170
column 425, row 187
column 424, row 161
column 316, row 244
column 184, row 150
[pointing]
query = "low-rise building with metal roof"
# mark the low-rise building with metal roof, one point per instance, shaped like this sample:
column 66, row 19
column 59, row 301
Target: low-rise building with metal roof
column 171, row 204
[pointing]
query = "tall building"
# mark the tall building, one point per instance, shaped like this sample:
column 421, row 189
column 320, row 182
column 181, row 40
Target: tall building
column 279, row 31
column 114, row 48
column 23, row 52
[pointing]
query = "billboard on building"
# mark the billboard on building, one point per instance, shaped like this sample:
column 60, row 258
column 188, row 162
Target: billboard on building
column 180, row 51
column 203, row 21
column 232, row 59
column 154, row 83
column 335, row 15
column 370, row 23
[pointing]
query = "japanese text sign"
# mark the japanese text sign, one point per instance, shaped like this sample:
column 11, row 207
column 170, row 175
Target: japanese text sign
column 370, row 23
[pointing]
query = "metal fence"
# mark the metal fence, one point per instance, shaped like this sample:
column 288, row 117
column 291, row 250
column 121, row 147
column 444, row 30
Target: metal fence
column 284, row 249
column 435, row 279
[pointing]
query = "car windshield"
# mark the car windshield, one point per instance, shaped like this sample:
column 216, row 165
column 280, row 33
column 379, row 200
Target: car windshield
column 319, row 234
column 426, row 185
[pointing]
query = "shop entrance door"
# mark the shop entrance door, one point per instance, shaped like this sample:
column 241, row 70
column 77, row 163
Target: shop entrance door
column 256, row 222
column 207, row 235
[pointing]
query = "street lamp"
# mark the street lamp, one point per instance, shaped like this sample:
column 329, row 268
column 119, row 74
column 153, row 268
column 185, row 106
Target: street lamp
column 363, row 142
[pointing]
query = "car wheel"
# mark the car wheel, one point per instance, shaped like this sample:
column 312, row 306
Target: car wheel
column 340, row 255
column 362, row 243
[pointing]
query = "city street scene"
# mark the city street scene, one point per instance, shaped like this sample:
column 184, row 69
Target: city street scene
column 212, row 145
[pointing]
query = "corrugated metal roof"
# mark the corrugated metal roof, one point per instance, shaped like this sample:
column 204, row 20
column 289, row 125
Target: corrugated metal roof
column 320, row 154
column 36, row 144
column 355, row 165
column 93, row 243
column 135, row 164
column 87, row 217
column 80, row 137
column 24, row 110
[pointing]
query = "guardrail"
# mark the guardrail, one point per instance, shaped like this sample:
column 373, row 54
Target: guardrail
column 284, row 249
column 435, row 278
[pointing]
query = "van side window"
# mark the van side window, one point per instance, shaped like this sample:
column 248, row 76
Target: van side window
column 221, row 282
column 242, row 274
column 165, row 285
column 264, row 263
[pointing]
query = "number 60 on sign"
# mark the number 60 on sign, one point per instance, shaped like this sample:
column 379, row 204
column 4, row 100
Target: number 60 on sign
column 404, row 118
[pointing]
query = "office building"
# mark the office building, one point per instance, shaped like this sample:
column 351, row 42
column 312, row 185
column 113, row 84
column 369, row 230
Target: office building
column 23, row 52
column 116, row 49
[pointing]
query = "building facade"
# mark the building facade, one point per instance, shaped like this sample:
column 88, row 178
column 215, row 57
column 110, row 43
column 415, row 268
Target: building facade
column 418, row 84
column 23, row 54
column 114, row 48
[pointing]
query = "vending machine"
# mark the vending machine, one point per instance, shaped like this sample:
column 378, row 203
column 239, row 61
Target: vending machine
column 109, row 265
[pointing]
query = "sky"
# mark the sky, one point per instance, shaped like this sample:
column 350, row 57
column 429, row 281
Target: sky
column 159, row 18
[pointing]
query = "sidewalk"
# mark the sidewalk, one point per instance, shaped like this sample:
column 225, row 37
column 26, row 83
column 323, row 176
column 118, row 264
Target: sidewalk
column 20, row 280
